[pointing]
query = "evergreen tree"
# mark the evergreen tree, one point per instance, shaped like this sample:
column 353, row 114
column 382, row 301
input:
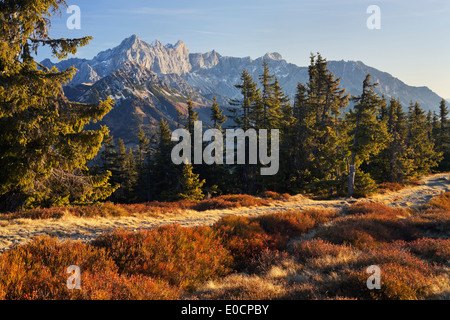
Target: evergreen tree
column 143, row 155
column 162, row 172
column 246, row 115
column 421, row 146
column 190, row 184
column 318, row 108
column 217, row 117
column 393, row 163
column 267, row 93
column 192, row 116
column 43, row 144
column 442, row 137
column 368, row 136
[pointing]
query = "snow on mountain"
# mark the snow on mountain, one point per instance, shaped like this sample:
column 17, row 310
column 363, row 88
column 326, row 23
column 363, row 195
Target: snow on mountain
column 151, row 81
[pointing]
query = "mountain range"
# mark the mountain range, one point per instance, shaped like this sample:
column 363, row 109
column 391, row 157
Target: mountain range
column 150, row 82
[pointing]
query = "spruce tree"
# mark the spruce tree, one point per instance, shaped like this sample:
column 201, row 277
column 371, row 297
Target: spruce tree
column 42, row 137
column 266, row 93
column 246, row 115
column 368, row 136
column 318, row 107
column 393, row 163
column 190, row 184
column 442, row 137
column 421, row 146
column 163, row 174
column 217, row 117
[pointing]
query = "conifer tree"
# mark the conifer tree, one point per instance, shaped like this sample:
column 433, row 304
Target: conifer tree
column 442, row 137
column 192, row 116
column 318, row 107
column 217, row 117
column 42, row 135
column 266, row 93
column 368, row 136
column 421, row 146
column 190, row 184
column 393, row 163
column 246, row 115
column 163, row 173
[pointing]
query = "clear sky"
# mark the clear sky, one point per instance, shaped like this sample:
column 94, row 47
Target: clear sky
column 413, row 43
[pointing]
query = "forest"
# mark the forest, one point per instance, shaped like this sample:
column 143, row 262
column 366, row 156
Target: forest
column 332, row 144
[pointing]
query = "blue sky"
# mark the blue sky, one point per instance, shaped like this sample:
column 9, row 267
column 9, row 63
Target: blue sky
column 412, row 44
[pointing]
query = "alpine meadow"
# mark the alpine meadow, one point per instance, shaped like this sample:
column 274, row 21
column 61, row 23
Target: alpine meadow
column 133, row 170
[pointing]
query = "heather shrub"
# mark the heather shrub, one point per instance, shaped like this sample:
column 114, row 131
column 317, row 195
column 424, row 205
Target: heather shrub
column 390, row 187
column 214, row 204
column 433, row 221
column 368, row 230
column 184, row 257
column 275, row 195
column 403, row 275
column 37, row 270
column 262, row 262
column 244, row 238
column 374, row 208
column 398, row 282
column 294, row 223
column 434, row 250
column 244, row 200
column 114, row 286
column 316, row 248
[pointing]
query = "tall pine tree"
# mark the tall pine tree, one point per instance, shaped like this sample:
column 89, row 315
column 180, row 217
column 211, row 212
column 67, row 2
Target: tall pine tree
column 44, row 146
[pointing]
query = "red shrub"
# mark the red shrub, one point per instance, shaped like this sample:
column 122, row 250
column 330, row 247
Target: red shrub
column 244, row 238
column 403, row 276
column 436, row 250
column 112, row 286
column 367, row 230
column 316, row 248
column 373, row 208
column 37, row 270
column 275, row 195
column 182, row 256
column 294, row 223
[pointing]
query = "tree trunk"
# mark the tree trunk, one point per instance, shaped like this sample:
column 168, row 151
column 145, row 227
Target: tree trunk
column 351, row 181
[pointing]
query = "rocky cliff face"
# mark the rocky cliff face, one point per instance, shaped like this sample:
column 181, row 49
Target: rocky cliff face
column 151, row 81
column 211, row 74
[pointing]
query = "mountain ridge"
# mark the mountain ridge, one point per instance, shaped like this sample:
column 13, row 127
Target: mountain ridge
column 211, row 73
column 151, row 82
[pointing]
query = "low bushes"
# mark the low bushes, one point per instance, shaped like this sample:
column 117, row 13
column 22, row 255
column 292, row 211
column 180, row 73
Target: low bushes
column 37, row 270
column 276, row 196
column 369, row 226
column 403, row 275
column 244, row 238
column 184, row 257
column 277, row 256
column 154, row 208
column 294, row 223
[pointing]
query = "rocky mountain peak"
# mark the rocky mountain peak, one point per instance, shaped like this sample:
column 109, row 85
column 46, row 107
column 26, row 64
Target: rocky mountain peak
column 273, row 56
